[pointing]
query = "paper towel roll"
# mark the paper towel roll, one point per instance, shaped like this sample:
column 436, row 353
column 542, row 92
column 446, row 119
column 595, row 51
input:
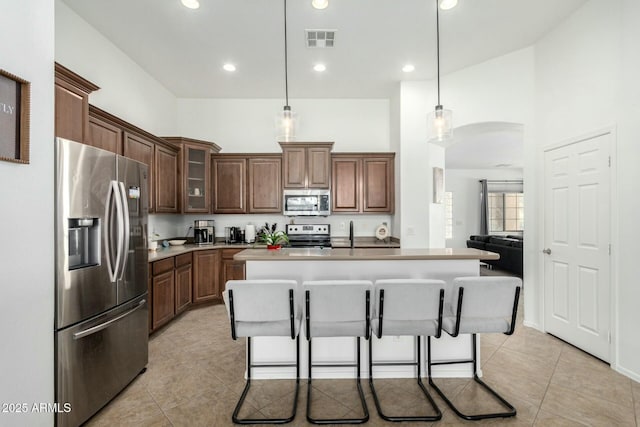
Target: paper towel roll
column 250, row 233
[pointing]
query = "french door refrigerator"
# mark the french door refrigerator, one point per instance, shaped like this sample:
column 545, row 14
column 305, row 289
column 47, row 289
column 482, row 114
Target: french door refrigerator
column 101, row 320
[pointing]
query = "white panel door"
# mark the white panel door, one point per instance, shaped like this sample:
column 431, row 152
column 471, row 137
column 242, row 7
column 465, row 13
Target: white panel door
column 577, row 238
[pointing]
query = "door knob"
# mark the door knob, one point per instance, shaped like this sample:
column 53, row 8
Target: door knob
column 547, row 251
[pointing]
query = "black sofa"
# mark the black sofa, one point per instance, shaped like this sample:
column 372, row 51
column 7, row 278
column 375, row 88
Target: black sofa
column 509, row 248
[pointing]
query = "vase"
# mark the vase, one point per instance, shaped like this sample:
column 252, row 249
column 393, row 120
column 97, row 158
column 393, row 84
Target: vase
column 273, row 247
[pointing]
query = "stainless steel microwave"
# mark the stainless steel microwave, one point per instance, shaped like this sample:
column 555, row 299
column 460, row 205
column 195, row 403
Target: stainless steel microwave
column 307, row 202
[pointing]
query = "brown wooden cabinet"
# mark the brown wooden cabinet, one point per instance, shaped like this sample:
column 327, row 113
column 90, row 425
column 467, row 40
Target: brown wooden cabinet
column 139, row 148
column 105, row 135
column 183, row 281
column 206, row 279
column 72, row 104
column 230, row 269
column 162, row 292
column 363, row 183
column 167, row 178
column 265, row 185
column 229, row 185
column 195, row 179
column 306, row 164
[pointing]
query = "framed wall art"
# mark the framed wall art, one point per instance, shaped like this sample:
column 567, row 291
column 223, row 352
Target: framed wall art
column 15, row 100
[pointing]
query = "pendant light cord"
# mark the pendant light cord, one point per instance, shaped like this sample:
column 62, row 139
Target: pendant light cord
column 286, row 74
column 437, row 45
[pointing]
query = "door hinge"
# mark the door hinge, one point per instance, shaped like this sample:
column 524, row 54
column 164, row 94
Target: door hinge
column 609, row 337
column 609, row 161
column 609, row 248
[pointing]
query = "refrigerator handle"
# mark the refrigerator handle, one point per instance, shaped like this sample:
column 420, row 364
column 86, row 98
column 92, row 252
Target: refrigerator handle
column 108, row 323
column 119, row 219
column 113, row 188
column 126, row 231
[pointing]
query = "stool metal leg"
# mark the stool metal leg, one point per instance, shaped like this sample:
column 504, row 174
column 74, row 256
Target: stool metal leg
column 418, row 364
column 247, row 386
column 511, row 411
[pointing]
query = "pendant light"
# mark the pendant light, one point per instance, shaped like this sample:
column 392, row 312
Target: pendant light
column 439, row 122
column 287, row 120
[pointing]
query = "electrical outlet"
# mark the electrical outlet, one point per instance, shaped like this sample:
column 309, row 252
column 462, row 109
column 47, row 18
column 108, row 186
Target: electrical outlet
column 411, row 231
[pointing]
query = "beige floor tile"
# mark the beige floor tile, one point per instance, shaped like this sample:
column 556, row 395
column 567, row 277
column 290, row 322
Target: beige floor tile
column 323, row 406
column 132, row 407
column 486, row 351
column 531, row 341
column 594, row 378
column 207, row 411
column 520, row 375
column 586, row 409
column 635, row 388
column 545, row 419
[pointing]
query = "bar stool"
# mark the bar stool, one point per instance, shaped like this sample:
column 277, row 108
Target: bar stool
column 483, row 305
column 410, row 307
column 337, row 308
column 264, row 308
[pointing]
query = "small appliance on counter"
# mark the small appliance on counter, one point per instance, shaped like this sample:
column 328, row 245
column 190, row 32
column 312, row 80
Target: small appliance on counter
column 250, row 233
column 233, row 235
column 203, row 232
column 309, row 235
column 382, row 232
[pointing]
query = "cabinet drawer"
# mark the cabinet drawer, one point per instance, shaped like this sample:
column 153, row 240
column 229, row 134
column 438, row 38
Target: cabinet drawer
column 229, row 253
column 162, row 266
column 183, row 259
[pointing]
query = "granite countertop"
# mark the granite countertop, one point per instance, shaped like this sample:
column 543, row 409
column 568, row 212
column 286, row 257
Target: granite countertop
column 162, row 253
column 347, row 254
column 365, row 242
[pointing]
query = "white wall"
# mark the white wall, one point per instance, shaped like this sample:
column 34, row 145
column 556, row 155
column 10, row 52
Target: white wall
column 126, row 90
column 463, row 183
column 500, row 89
column 248, row 125
column 586, row 79
column 26, row 221
column 628, row 235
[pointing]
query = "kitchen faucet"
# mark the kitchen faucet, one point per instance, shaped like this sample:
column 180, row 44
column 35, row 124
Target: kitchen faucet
column 351, row 234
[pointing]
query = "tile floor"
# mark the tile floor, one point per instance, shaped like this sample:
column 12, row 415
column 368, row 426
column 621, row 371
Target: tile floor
column 195, row 375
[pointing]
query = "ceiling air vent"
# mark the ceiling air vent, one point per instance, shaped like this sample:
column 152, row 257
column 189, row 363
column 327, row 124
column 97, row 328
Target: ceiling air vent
column 320, row 38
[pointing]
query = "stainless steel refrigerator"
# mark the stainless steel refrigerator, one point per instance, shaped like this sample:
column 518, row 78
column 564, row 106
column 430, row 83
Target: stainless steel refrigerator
column 101, row 320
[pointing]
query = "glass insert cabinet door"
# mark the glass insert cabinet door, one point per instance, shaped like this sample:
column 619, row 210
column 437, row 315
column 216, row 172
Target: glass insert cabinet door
column 197, row 169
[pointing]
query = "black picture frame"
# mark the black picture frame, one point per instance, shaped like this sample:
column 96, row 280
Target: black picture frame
column 15, row 103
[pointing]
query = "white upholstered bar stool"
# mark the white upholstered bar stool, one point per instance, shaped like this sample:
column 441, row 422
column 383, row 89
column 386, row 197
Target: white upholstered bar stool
column 406, row 307
column 479, row 305
column 264, row 308
column 337, row 308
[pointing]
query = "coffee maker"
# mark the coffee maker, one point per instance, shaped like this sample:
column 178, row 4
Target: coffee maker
column 204, row 233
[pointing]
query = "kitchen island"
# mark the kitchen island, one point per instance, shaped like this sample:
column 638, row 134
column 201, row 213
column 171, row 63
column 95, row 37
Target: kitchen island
column 362, row 264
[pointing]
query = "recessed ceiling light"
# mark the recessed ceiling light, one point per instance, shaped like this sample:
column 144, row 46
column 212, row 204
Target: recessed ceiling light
column 448, row 4
column 229, row 67
column 319, row 67
column 320, row 4
column 191, row 4
column 408, row 68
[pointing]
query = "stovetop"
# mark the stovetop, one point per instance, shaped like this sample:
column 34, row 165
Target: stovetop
column 309, row 235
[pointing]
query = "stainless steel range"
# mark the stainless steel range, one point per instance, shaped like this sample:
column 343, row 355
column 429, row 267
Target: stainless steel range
column 309, row 235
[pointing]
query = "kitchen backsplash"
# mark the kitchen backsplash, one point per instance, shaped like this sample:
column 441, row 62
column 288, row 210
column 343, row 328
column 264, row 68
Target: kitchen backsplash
column 170, row 225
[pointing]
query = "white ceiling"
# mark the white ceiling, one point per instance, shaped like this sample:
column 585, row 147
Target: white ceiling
column 185, row 49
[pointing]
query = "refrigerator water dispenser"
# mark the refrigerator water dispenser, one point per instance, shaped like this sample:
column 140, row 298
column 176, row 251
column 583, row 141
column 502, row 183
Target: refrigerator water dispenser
column 84, row 242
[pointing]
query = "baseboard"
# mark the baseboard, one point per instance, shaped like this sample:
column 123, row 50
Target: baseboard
column 626, row 372
column 533, row 325
column 443, row 371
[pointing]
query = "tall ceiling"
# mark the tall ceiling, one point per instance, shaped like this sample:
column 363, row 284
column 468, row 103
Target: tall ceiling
column 185, row 49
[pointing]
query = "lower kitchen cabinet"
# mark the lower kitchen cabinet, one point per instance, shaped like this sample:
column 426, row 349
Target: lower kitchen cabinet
column 231, row 269
column 206, row 280
column 184, row 282
column 162, row 292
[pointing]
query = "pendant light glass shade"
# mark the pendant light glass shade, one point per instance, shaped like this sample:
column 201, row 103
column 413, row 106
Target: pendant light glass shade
column 439, row 125
column 286, row 123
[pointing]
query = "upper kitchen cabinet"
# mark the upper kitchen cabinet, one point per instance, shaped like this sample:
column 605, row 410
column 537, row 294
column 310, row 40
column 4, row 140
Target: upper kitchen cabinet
column 247, row 183
column 229, row 184
column 196, row 173
column 265, row 184
column 72, row 104
column 111, row 133
column 363, row 183
column 306, row 164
